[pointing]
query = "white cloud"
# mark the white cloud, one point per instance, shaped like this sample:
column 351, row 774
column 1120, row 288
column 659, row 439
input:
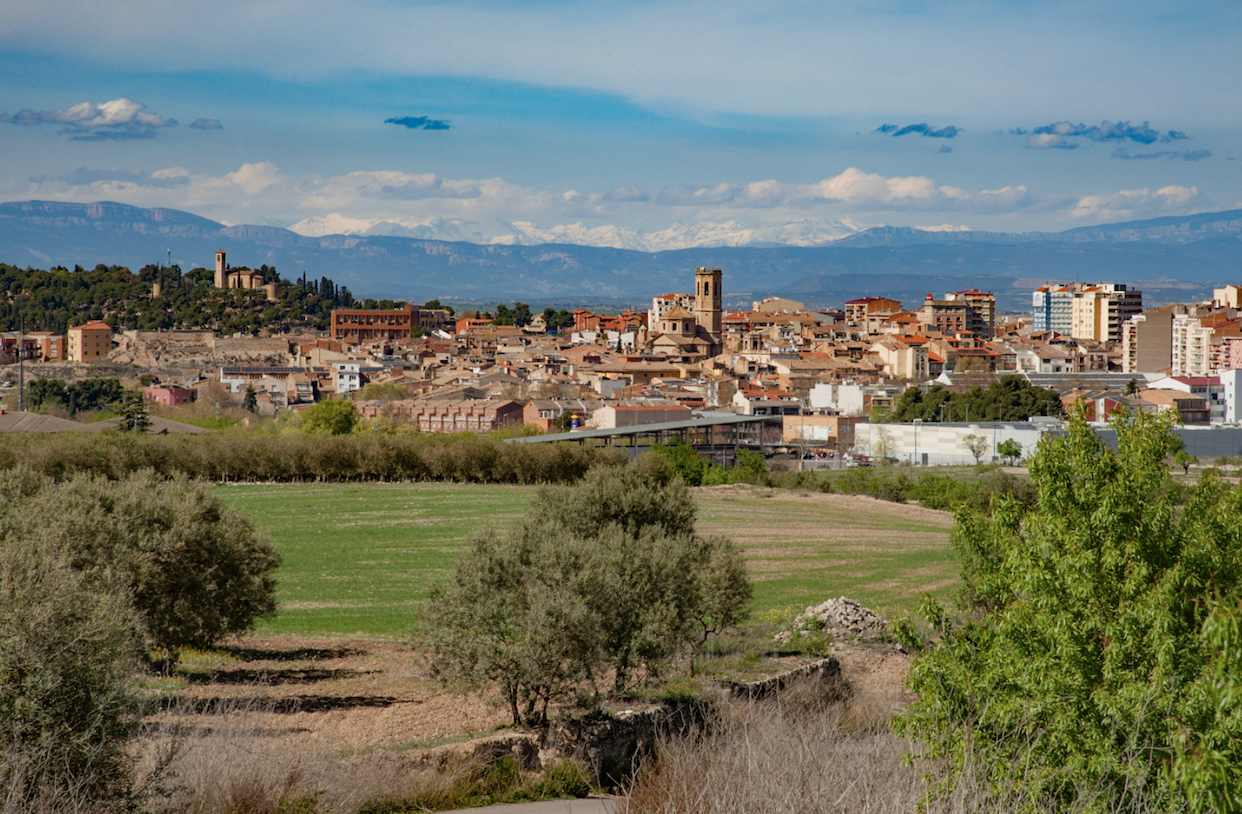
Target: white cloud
column 1130, row 204
column 255, row 178
column 115, row 120
column 854, row 188
column 488, row 209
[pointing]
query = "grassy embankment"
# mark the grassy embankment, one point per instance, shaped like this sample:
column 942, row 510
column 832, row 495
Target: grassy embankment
column 359, row 557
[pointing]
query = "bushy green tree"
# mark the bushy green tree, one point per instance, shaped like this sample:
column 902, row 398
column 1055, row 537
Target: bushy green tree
column 68, row 705
column 1095, row 649
column 605, row 575
column 330, row 418
column 684, row 460
column 49, row 392
column 194, row 569
column 1009, row 449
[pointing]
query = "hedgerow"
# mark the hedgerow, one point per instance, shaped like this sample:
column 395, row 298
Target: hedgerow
column 294, row 457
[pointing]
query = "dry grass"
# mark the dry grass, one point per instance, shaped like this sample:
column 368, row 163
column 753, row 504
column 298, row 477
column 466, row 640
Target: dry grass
column 224, row 760
column 797, row 754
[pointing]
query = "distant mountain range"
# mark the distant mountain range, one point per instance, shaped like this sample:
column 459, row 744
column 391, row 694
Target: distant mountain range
column 1172, row 258
column 806, row 232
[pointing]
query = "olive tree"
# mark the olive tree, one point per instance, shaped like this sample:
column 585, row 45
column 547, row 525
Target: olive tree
column 330, row 418
column 68, row 649
column 607, row 575
column 1095, row 648
column 194, row 569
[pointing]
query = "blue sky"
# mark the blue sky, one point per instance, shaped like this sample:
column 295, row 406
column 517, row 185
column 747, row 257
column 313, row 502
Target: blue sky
column 591, row 121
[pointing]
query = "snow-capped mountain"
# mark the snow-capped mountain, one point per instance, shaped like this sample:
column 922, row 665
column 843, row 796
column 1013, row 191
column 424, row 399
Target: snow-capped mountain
column 705, row 234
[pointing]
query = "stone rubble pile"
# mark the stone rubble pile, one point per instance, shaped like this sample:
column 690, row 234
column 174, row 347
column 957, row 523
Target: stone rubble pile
column 842, row 617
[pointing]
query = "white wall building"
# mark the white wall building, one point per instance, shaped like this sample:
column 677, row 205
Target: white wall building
column 347, row 376
column 1231, row 385
column 932, row 444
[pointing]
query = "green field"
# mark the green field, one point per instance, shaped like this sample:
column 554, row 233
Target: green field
column 359, row 557
column 804, row 547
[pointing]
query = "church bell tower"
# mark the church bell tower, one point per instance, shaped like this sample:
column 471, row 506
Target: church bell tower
column 707, row 303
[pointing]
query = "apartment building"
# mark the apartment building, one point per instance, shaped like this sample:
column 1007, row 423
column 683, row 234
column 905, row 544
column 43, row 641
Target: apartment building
column 945, row 316
column 1050, row 306
column 980, row 311
column 903, row 357
column 1098, row 311
column 1147, row 340
column 89, row 342
column 1200, row 341
column 857, row 310
column 356, row 326
column 49, row 347
column 1085, row 310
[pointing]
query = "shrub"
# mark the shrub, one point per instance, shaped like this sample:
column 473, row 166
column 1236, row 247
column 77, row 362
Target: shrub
column 684, row 459
column 67, row 705
column 195, row 569
column 1096, row 642
column 330, row 418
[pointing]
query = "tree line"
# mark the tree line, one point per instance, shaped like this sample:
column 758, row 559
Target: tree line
column 1010, row 398
column 57, row 299
column 298, row 457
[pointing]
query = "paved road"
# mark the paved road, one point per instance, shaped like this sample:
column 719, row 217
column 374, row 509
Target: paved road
column 590, row 805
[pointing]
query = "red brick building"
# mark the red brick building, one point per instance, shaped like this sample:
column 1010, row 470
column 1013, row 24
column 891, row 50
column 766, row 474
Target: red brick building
column 356, row 326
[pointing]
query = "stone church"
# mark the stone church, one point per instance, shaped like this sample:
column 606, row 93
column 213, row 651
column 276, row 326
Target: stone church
column 692, row 336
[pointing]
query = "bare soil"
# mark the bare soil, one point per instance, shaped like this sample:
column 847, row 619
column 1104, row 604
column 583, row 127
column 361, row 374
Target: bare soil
column 349, row 695
column 343, row 694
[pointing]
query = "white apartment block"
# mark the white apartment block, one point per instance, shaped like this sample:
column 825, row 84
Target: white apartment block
column 1191, row 345
column 663, row 303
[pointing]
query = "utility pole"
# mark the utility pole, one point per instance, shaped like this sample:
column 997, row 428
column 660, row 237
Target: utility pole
column 21, row 366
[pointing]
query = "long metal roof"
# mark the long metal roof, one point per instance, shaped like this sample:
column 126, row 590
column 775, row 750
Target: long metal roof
column 640, row 429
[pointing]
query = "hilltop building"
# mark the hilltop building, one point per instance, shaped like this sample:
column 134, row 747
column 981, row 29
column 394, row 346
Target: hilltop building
column 242, row 278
